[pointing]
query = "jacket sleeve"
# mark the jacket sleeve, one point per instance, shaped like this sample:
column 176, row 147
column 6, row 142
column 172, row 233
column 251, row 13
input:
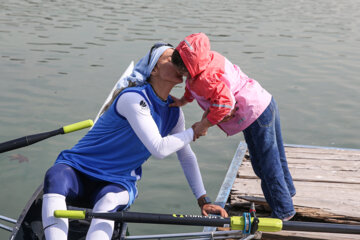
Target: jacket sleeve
column 188, row 96
column 220, row 97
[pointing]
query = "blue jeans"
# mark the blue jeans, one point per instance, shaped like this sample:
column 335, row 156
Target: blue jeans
column 268, row 160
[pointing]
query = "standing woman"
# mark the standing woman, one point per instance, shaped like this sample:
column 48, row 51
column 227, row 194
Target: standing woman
column 222, row 89
column 105, row 165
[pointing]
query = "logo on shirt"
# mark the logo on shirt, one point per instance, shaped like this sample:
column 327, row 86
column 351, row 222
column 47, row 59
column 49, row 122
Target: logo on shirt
column 143, row 104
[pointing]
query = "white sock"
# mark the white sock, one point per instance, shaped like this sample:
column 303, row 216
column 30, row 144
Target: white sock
column 54, row 228
column 100, row 228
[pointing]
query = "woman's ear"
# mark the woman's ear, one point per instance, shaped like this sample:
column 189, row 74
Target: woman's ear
column 154, row 72
column 155, row 69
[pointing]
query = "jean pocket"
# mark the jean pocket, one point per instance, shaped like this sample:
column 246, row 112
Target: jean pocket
column 267, row 117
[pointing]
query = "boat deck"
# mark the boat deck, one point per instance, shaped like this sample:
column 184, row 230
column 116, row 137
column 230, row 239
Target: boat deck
column 327, row 181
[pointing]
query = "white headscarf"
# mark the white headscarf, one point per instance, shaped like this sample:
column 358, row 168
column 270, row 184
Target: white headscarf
column 144, row 67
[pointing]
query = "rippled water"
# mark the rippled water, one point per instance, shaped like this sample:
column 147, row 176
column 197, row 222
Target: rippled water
column 59, row 59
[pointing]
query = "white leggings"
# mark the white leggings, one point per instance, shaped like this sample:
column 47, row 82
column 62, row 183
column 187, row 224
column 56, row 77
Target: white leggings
column 57, row 228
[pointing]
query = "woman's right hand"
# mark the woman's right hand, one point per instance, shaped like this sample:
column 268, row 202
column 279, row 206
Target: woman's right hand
column 178, row 102
column 213, row 209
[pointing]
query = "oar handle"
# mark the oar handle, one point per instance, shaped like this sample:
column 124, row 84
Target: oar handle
column 78, row 126
column 72, row 214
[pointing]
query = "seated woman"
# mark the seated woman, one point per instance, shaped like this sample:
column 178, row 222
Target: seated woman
column 105, row 165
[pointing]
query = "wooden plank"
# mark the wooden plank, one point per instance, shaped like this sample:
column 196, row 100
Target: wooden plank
column 312, row 174
column 317, row 171
column 323, row 156
column 292, row 148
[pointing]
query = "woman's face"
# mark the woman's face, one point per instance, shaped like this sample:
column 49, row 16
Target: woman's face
column 166, row 70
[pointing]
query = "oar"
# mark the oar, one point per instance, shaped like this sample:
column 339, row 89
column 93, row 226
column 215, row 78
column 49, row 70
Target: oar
column 235, row 222
column 31, row 139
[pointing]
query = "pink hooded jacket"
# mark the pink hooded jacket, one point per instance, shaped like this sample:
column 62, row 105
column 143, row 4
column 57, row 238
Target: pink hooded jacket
column 219, row 85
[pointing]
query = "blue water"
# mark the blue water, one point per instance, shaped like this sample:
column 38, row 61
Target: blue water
column 59, row 60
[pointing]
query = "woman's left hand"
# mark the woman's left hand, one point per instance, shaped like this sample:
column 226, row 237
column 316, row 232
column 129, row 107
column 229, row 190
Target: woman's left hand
column 201, row 128
column 214, row 209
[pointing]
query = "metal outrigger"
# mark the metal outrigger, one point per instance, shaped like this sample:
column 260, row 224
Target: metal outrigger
column 235, row 234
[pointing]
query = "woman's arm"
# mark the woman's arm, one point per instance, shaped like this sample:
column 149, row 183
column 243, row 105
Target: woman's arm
column 141, row 121
column 189, row 162
column 192, row 173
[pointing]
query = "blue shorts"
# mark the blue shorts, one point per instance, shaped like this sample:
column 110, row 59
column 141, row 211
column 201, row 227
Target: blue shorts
column 79, row 189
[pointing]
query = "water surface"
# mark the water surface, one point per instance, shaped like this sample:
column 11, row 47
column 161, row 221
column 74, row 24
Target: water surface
column 59, row 60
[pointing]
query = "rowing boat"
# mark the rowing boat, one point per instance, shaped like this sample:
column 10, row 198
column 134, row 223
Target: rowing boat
column 29, row 223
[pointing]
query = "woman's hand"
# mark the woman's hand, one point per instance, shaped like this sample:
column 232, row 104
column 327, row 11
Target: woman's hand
column 178, row 102
column 213, row 209
column 201, row 128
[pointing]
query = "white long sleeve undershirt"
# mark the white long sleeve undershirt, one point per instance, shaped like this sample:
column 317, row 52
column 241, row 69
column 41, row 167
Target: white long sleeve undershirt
column 144, row 126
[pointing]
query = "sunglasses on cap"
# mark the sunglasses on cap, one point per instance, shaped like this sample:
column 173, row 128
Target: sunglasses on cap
column 157, row 45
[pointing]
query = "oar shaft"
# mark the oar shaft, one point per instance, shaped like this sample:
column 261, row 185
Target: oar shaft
column 31, row 139
column 28, row 140
column 135, row 217
column 235, row 222
column 321, row 227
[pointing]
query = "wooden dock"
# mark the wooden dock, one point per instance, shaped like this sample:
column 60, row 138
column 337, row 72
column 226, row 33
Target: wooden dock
column 327, row 182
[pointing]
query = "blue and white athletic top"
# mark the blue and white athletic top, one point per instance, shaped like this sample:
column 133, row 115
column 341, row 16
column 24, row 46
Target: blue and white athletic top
column 135, row 127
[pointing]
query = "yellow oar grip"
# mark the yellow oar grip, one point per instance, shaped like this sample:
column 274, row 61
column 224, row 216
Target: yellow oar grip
column 265, row 224
column 78, row 126
column 73, row 214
